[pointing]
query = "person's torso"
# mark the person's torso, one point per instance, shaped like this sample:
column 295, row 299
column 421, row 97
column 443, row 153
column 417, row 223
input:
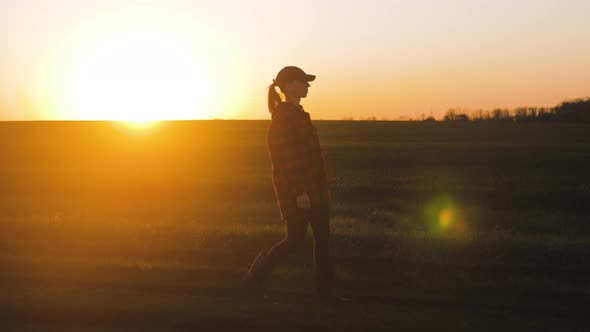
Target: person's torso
column 306, row 138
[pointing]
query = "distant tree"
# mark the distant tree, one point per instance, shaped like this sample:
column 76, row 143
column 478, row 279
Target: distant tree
column 532, row 113
column 577, row 110
column 545, row 115
column 451, row 115
column 502, row 115
column 455, row 115
column 520, row 114
column 525, row 114
column 478, row 115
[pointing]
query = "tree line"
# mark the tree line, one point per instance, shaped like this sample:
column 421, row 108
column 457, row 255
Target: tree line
column 577, row 110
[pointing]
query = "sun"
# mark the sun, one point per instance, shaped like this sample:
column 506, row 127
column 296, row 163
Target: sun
column 140, row 124
column 137, row 67
column 139, row 77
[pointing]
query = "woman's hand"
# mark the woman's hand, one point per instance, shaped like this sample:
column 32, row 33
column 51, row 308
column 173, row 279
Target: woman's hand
column 303, row 201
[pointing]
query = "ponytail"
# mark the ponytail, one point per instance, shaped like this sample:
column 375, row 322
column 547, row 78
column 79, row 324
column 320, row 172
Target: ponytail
column 273, row 97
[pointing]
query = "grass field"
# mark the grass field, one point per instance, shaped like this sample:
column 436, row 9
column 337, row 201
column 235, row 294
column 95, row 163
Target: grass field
column 446, row 226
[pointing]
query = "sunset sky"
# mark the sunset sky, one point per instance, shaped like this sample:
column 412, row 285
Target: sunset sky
column 168, row 59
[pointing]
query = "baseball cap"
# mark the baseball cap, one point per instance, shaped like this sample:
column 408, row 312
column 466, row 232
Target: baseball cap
column 292, row 73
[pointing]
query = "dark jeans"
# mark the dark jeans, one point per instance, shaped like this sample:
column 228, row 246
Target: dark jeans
column 319, row 219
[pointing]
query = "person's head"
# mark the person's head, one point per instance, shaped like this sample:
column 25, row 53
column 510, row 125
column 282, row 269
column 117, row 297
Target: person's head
column 293, row 83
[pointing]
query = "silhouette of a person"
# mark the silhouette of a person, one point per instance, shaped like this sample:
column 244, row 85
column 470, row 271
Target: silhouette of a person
column 299, row 180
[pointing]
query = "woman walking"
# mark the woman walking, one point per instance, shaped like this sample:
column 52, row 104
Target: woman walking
column 299, row 180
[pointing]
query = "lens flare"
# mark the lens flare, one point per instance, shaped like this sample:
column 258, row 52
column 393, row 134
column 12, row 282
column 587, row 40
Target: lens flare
column 443, row 215
column 445, row 218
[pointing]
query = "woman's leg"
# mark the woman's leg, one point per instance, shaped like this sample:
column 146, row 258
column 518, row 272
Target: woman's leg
column 296, row 228
column 320, row 224
column 264, row 263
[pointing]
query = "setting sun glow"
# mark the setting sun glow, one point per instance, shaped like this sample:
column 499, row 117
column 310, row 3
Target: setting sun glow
column 397, row 60
column 138, row 78
column 136, row 72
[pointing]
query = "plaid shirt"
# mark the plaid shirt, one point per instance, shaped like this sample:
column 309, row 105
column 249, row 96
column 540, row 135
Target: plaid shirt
column 297, row 159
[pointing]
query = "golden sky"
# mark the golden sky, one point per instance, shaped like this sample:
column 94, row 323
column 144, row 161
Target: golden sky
column 150, row 60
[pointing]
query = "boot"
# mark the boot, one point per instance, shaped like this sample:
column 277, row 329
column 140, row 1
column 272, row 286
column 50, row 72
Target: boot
column 325, row 284
column 259, row 270
column 325, row 278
